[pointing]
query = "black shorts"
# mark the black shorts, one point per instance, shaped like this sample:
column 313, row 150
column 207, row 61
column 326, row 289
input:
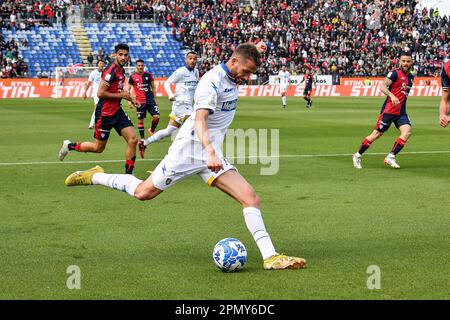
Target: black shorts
column 307, row 91
column 149, row 107
column 104, row 124
column 385, row 120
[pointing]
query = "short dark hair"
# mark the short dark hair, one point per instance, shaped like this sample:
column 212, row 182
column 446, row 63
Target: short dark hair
column 248, row 51
column 121, row 46
column 406, row 53
column 191, row 52
column 140, row 60
column 100, row 60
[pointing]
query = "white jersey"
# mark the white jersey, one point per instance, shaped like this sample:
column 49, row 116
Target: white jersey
column 216, row 91
column 95, row 77
column 284, row 78
column 186, row 82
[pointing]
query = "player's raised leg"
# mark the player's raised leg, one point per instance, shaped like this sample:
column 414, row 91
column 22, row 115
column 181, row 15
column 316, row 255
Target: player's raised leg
column 141, row 190
column 405, row 133
column 96, row 147
column 161, row 134
column 233, row 184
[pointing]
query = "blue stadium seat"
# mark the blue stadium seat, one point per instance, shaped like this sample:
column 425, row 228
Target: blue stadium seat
column 50, row 47
column 150, row 42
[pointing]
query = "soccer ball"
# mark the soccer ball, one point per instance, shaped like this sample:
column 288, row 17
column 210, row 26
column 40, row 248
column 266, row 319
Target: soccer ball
column 229, row 255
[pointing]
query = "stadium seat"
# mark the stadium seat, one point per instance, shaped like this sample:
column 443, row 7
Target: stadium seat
column 51, row 47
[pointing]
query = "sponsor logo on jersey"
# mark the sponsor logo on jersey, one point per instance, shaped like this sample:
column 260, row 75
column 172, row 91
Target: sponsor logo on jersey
column 229, row 105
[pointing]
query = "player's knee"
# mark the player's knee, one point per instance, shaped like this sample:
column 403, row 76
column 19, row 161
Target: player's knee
column 406, row 135
column 133, row 141
column 250, row 198
column 377, row 134
column 99, row 148
column 143, row 193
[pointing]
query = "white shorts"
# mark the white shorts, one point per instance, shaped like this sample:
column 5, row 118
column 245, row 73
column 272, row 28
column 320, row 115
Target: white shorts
column 185, row 158
column 96, row 99
column 180, row 112
column 283, row 88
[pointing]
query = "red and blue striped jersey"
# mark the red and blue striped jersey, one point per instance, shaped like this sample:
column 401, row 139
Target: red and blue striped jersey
column 142, row 86
column 400, row 87
column 115, row 77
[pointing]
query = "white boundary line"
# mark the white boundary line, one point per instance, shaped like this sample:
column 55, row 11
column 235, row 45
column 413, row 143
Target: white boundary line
column 5, row 164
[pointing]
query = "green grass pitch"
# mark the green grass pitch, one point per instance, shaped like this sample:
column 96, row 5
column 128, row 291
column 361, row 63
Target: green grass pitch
column 340, row 219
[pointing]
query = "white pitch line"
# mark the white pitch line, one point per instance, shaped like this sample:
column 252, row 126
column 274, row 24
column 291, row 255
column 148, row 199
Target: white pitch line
column 4, row 164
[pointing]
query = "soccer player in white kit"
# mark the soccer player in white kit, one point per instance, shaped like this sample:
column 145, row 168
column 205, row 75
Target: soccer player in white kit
column 284, row 76
column 186, row 80
column 196, row 150
column 95, row 77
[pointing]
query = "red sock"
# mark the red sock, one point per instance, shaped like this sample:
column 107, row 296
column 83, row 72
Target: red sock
column 129, row 165
column 398, row 145
column 155, row 122
column 364, row 146
column 75, row 146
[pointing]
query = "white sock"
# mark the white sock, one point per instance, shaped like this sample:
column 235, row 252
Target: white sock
column 123, row 182
column 92, row 123
column 283, row 98
column 255, row 225
column 161, row 134
column 358, row 154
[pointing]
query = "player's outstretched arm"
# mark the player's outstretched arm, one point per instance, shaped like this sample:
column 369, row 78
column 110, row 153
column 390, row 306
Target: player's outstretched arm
column 170, row 94
column 444, row 108
column 385, row 89
column 201, row 129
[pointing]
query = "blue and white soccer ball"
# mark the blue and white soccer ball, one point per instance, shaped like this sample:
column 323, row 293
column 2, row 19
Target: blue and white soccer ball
column 229, row 255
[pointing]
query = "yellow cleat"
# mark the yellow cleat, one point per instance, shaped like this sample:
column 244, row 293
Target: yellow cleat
column 82, row 178
column 281, row 261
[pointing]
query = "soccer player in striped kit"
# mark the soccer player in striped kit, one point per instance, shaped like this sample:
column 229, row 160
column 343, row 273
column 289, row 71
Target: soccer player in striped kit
column 396, row 87
column 143, row 84
column 109, row 113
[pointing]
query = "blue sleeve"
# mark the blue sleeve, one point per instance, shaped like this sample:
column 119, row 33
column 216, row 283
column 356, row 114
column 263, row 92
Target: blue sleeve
column 392, row 75
column 109, row 75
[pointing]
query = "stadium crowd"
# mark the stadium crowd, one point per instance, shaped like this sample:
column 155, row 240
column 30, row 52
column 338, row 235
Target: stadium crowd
column 347, row 37
column 340, row 37
column 11, row 64
column 25, row 14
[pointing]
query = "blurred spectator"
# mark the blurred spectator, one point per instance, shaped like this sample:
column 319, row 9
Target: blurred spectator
column 90, row 59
